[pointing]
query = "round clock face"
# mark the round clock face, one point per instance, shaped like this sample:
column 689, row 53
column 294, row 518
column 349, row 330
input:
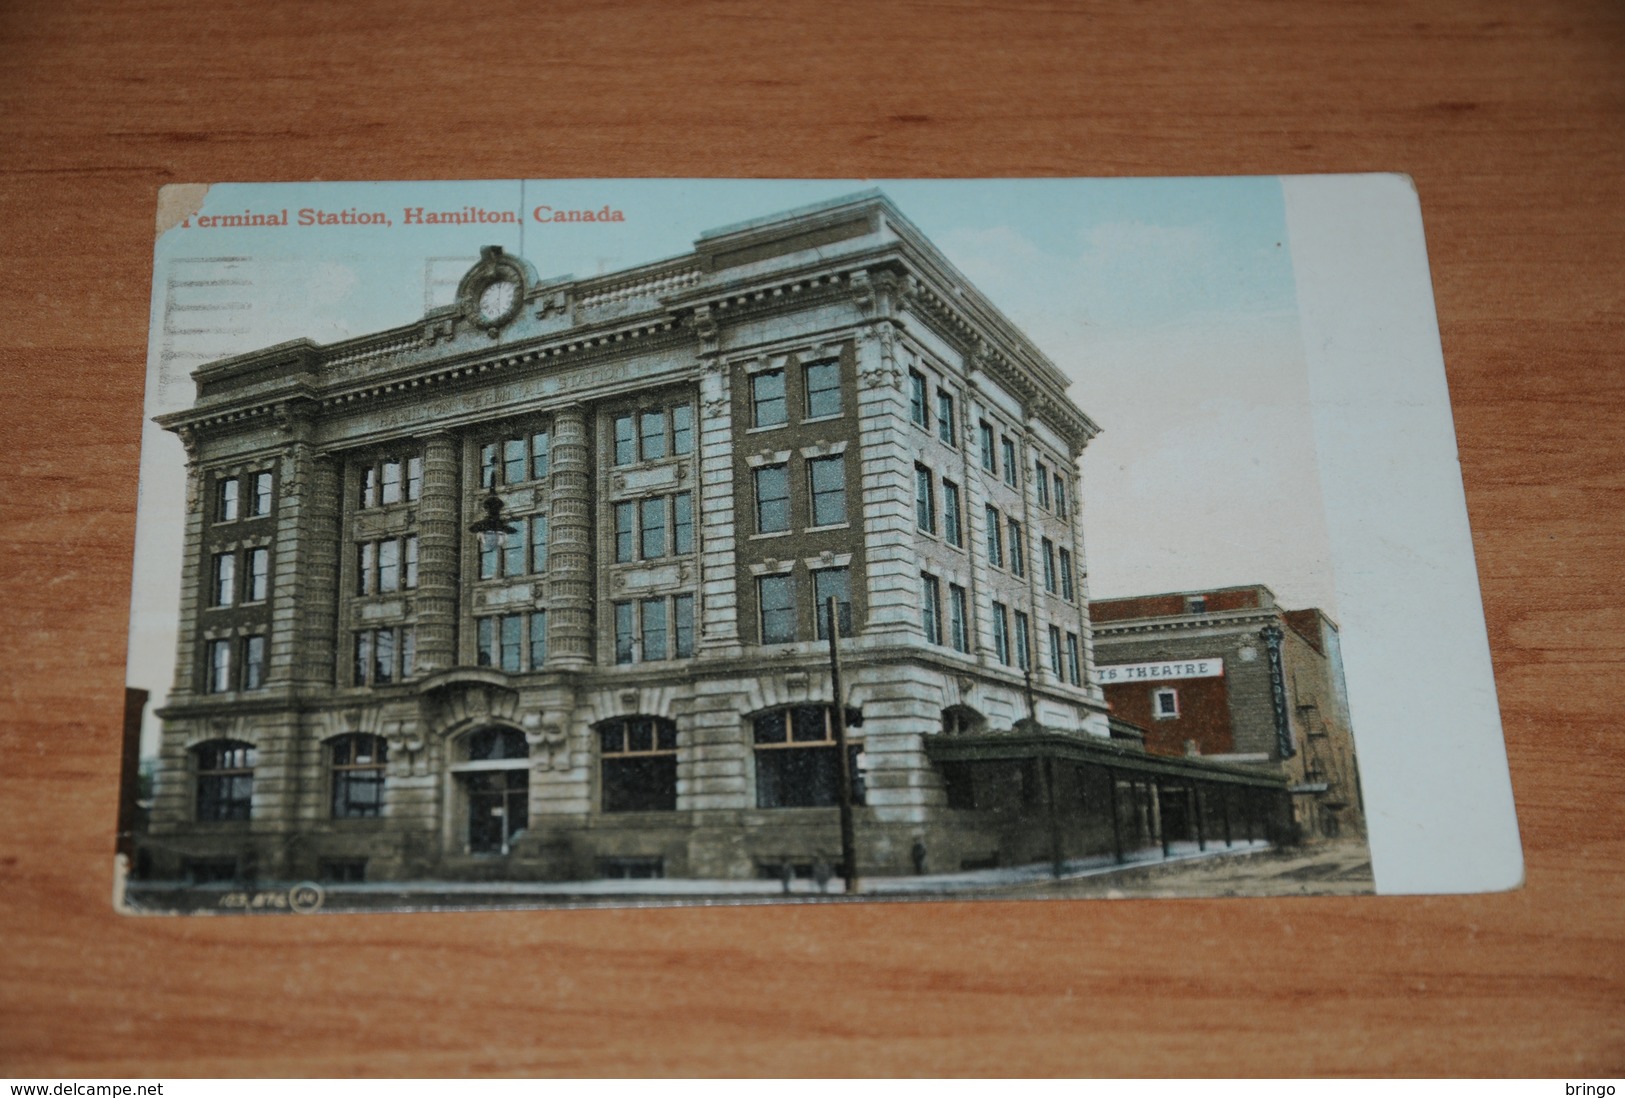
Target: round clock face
column 496, row 300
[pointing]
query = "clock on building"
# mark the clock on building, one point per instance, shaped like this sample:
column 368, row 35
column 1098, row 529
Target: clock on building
column 493, row 291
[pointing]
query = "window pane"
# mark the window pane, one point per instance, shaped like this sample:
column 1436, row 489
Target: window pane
column 538, row 639
column 654, row 629
column 767, row 399
column 409, row 577
column 1008, row 449
column 1041, row 483
column 538, row 543
column 513, row 549
column 1060, row 496
column 925, row 507
column 916, row 398
column 823, row 389
column 363, row 658
column 511, row 626
column 1023, row 642
column 539, row 455
column 488, row 465
column 389, row 565
column 391, row 491
column 262, row 494
column 652, row 435
column 219, row 666
column 772, row 498
column 625, row 634
column 259, row 574
column 226, row 500
column 626, row 445
column 682, row 507
column 952, row 527
column 1072, row 663
column 253, row 662
column 945, row 418
column 682, row 429
column 640, row 784
column 513, row 461
column 654, row 527
column 225, row 579
column 995, row 542
column 683, row 615
column 931, row 608
column 828, row 477
column 383, row 656
column 777, row 597
column 1018, row 556
column 486, row 643
column 985, row 437
column 771, row 727
column 832, row 583
column 623, row 533
column 958, row 620
column 1001, row 633
column 489, row 554
column 414, row 477
column 1055, row 651
column 1048, row 553
column 1066, row 575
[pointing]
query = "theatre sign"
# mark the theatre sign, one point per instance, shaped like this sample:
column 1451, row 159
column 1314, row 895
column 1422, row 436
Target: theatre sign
column 1157, row 672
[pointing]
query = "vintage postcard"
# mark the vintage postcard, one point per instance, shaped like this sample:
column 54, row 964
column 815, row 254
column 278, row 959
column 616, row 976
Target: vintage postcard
column 579, row 542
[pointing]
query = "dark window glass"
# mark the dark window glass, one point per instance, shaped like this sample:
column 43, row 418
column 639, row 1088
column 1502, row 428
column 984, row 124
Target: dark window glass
column 485, row 646
column 995, row 540
column 654, row 629
column 772, row 498
column 823, row 389
column 777, row 597
column 682, row 523
column 682, row 429
column 1060, row 495
column 225, row 780
column 925, row 504
column 383, row 656
column 625, row 631
column 917, row 411
column 358, row 776
column 803, row 770
column 768, row 408
column 626, row 443
column 538, row 639
column 623, row 532
column 1018, row 555
column 958, row 618
column 1041, row 483
column 1047, row 550
column 931, row 608
column 253, row 662
column 638, row 765
column 1001, row 633
column 945, row 418
column 498, row 808
column 390, row 489
column 1066, row 575
column 952, row 525
column 828, row 476
column 832, row 583
column 1073, row 664
column 653, row 518
column 1012, row 474
column 1055, row 651
column 984, row 436
column 494, row 744
column 682, row 609
column 1024, row 651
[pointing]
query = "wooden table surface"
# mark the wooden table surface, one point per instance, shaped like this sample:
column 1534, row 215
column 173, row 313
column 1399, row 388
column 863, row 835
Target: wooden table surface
column 1510, row 116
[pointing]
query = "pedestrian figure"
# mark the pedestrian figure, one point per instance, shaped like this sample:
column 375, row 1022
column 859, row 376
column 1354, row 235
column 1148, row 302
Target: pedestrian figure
column 787, row 873
column 918, row 854
column 822, row 873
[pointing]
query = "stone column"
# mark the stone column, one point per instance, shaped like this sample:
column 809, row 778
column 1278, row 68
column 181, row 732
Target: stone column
column 306, row 590
column 570, row 533
column 438, row 542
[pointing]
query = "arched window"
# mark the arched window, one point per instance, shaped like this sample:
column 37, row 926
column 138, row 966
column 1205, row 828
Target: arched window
column 638, row 764
column 797, row 764
column 495, row 779
column 225, row 779
column 358, row 776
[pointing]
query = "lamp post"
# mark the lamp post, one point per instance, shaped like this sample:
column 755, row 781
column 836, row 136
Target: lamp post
column 492, row 529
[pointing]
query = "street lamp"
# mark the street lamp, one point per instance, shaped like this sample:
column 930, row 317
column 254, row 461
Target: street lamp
column 492, row 529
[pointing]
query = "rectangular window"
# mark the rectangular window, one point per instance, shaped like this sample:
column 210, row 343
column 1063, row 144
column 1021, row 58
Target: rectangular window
column 1073, row 663
column 490, row 556
column 827, row 476
column 652, row 435
column 682, row 612
column 538, row 543
column 514, row 461
column 369, row 486
column 952, row 525
column 626, row 443
column 682, row 523
column 383, row 656
column 253, row 662
column 984, row 439
column 772, row 498
column 1001, row 633
column 823, row 389
column 925, row 500
column 512, row 624
column 833, row 583
column 777, row 597
column 366, row 568
column 409, row 561
column 414, row 477
column 485, row 650
column 958, row 618
column 1041, row 483
column 623, row 532
column 225, row 579
column 540, row 455
column 1012, row 471
column 639, row 774
column 931, row 608
column 682, row 430
column 1055, row 651
column 259, row 574
column 797, row 765
column 363, row 657
column 995, row 539
column 225, row 499
column 1060, row 496
column 513, row 549
column 259, row 503
column 653, row 518
column 538, row 639
column 1066, row 575
column 945, row 418
column 219, row 672
column 1024, row 649
column 1048, row 552
column 654, row 629
column 768, row 407
column 1018, row 555
column 917, row 410
column 389, row 566
column 1165, row 703
column 390, row 483
column 625, row 631
column 488, row 465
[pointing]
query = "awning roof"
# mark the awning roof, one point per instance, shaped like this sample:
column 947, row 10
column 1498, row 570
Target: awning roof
column 994, row 747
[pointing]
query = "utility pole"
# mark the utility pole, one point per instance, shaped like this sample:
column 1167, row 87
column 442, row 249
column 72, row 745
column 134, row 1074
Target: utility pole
column 849, row 853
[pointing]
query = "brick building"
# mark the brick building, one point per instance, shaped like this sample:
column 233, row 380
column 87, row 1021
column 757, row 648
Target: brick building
column 1228, row 674
column 630, row 679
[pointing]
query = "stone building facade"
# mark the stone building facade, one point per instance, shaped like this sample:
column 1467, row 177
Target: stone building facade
column 1229, row 675
column 632, row 679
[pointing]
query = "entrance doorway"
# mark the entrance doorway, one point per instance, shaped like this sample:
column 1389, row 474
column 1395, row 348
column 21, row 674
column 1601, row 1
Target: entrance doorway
column 495, row 782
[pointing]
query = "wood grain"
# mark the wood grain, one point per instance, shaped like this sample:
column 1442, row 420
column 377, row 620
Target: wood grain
column 1510, row 117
